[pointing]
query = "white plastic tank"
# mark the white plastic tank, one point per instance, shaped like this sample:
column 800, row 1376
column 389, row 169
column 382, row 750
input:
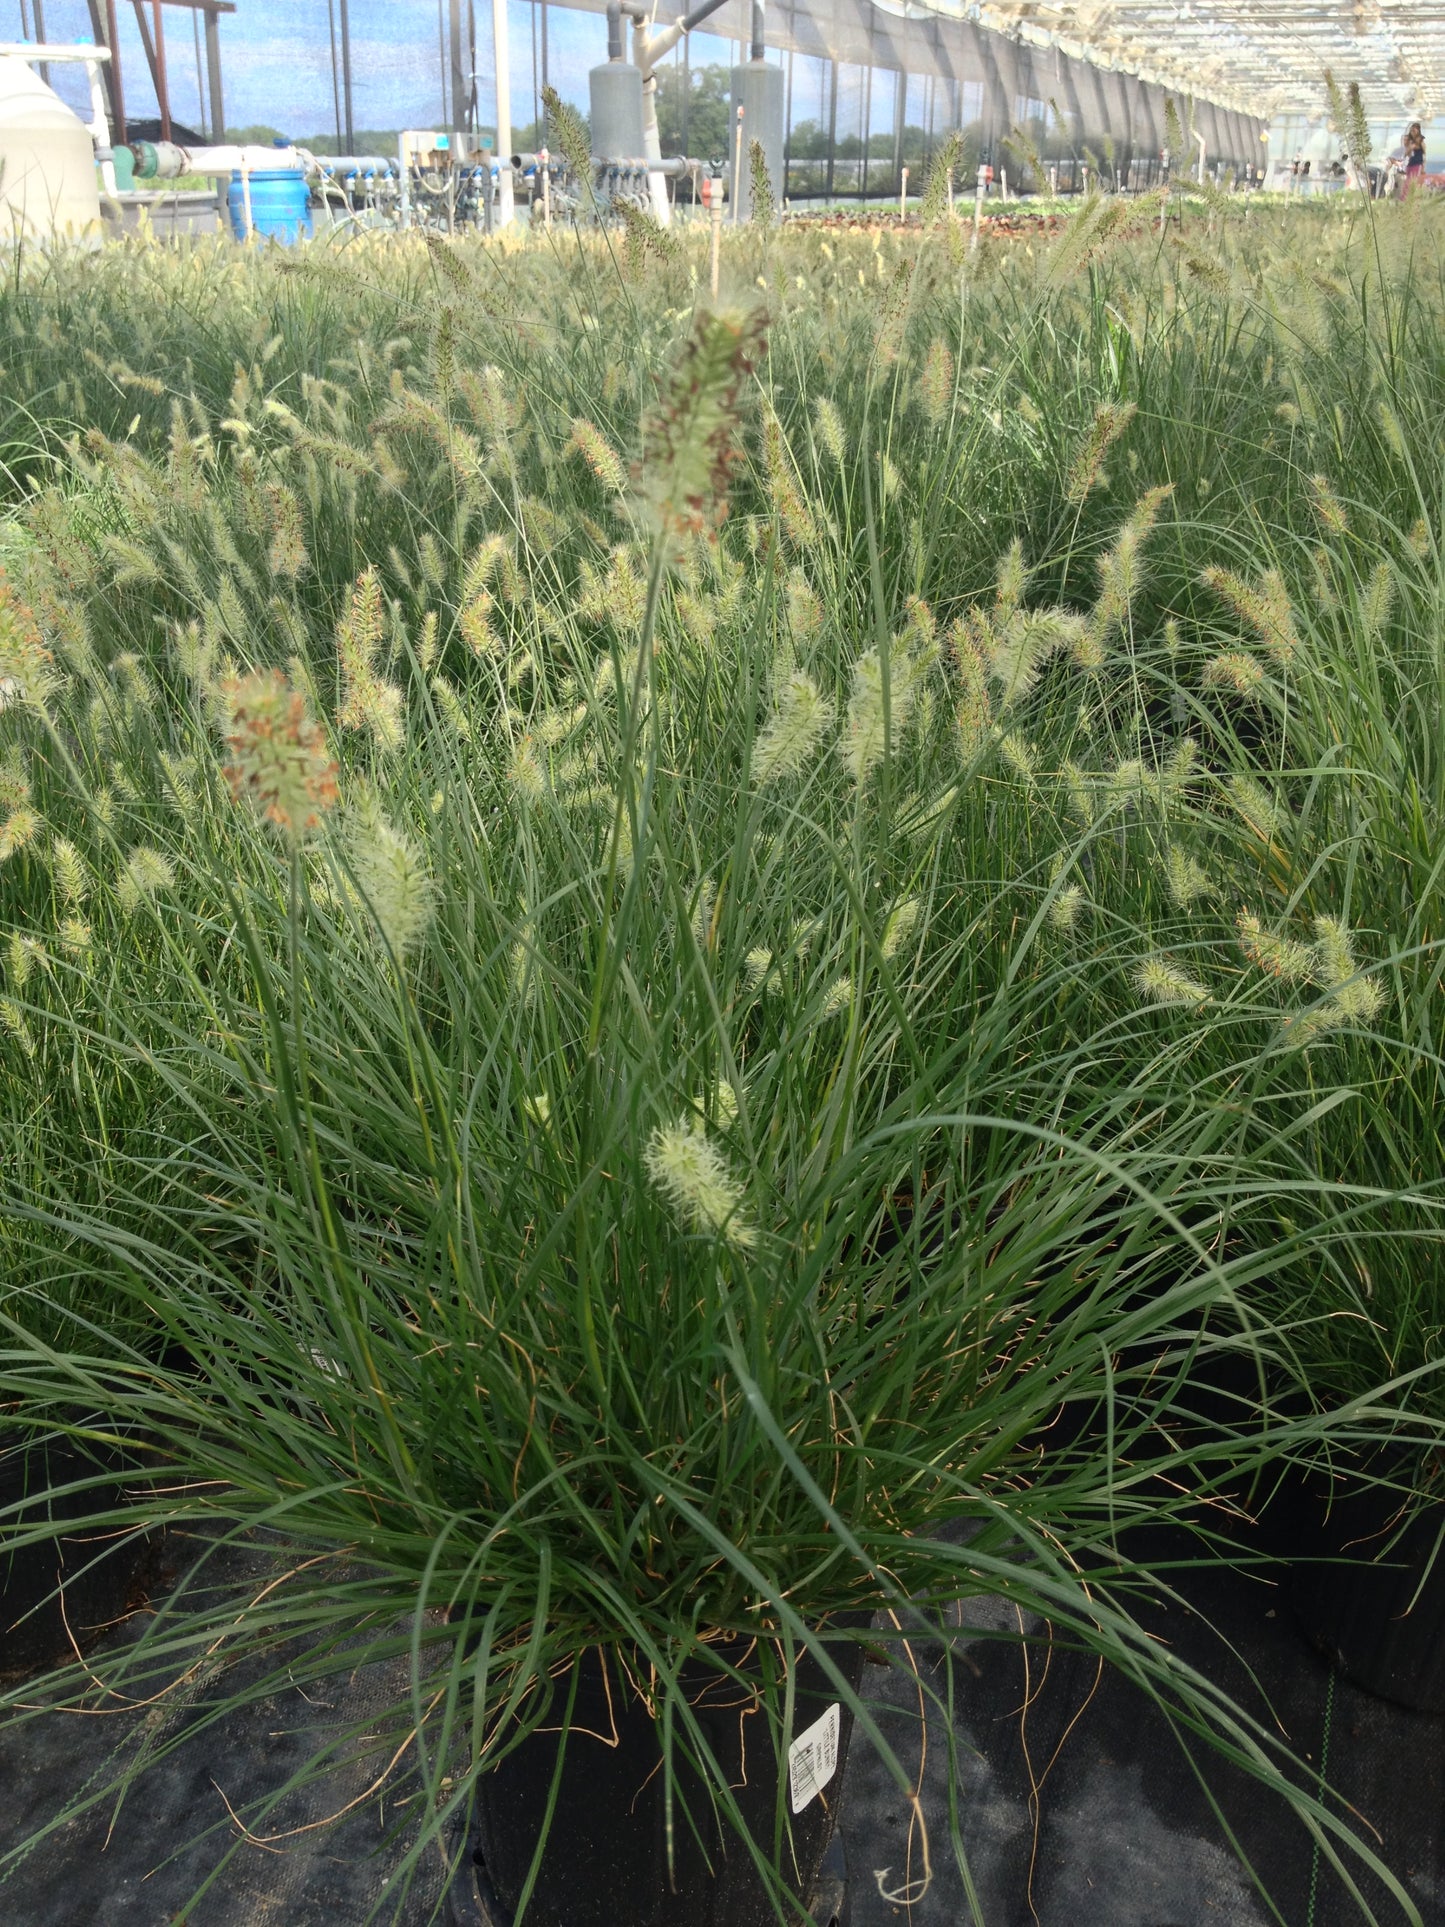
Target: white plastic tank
column 48, row 187
column 614, row 93
column 758, row 88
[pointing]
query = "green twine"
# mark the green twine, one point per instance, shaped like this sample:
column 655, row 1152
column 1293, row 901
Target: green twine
column 1324, row 1768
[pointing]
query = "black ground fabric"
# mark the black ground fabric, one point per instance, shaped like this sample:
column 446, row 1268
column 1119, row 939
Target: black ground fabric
column 1078, row 1806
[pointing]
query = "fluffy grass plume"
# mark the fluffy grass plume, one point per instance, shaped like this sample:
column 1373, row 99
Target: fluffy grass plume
column 279, row 762
column 694, row 1178
column 1159, row 980
column 390, row 871
column 802, row 718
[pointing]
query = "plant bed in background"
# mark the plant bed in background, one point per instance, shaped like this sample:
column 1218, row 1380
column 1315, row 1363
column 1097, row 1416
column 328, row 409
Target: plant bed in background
column 604, row 1853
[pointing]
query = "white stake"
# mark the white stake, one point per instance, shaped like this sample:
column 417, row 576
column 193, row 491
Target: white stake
column 903, row 197
column 502, row 55
column 542, row 161
column 738, row 173
column 978, row 188
column 714, row 202
column 1003, row 182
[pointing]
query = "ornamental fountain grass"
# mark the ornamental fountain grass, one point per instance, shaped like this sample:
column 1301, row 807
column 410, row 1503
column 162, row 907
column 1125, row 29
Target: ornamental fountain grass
column 683, row 904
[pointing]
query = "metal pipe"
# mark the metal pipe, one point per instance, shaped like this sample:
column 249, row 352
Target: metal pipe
column 117, row 94
column 675, row 167
column 162, row 87
column 647, row 50
column 646, row 54
column 758, row 50
column 100, row 128
column 699, row 14
column 614, row 29
column 343, row 17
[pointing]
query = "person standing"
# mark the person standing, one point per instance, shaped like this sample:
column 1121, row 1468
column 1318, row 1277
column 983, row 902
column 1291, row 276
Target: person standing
column 1414, row 155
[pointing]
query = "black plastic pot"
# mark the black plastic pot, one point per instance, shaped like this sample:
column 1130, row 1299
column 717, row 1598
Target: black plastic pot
column 605, row 1861
column 94, row 1572
column 1366, row 1577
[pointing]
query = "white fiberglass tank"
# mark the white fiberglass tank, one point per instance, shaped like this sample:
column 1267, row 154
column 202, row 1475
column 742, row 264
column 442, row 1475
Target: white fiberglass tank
column 48, row 188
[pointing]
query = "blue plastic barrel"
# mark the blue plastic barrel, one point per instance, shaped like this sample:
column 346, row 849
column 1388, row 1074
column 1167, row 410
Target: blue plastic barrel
column 280, row 205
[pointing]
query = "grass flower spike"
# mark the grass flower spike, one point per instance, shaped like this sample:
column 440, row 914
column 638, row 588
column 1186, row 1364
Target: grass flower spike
column 278, row 760
column 19, row 828
column 392, row 876
column 1283, row 957
column 1160, row 981
column 599, row 455
column 368, row 702
column 695, row 1180
column 801, row 719
column 690, row 442
column 144, row 875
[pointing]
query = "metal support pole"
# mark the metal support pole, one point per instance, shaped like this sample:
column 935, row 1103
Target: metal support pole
column 162, row 90
column 43, row 66
column 218, row 108
column 544, row 162
column 832, row 131
column 148, row 47
column 461, row 87
column 900, row 110
column 979, row 184
column 344, row 17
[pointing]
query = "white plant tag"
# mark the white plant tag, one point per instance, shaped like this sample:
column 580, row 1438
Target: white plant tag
column 813, row 1759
